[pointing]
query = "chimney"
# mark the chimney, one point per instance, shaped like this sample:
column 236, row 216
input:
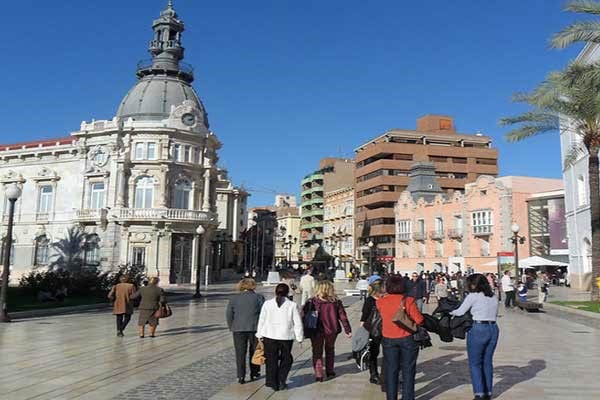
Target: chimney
column 434, row 123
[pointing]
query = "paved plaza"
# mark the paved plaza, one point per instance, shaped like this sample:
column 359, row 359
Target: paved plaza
column 78, row 356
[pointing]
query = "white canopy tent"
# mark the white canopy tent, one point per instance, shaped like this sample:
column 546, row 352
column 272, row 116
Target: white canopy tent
column 536, row 261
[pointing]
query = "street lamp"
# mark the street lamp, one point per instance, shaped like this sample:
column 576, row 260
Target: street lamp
column 12, row 193
column 287, row 244
column 516, row 240
column 200, row 231
column 370, row 244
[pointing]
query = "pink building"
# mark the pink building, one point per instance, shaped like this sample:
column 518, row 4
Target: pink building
column 465, row 230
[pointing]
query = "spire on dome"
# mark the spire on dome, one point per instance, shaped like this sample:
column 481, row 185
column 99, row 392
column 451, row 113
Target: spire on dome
column 166, row 49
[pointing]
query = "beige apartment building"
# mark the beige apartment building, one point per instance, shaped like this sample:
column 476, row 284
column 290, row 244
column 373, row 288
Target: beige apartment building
column 465, row 229
column 333, row 174
column 382, row 173
column 287, row 245
column 338, row 229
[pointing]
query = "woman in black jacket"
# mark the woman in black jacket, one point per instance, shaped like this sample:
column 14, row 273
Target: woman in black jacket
column 375, row 292
column 242, row 315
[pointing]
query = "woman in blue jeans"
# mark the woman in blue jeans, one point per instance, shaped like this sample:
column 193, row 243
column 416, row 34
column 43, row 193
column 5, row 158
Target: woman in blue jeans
column 483, row 336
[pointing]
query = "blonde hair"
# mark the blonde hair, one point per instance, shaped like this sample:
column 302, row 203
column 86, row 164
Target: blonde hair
column 376, row 288
column 246, row 284
column 325, row 291
column 154, row 280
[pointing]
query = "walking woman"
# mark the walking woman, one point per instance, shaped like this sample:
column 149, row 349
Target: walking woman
column 121, row 295
column 278, row 325
column 483, row 336
column 330, row 311
column 242, row 315
column 400, row 351
column 152, row 298
column 375, row 292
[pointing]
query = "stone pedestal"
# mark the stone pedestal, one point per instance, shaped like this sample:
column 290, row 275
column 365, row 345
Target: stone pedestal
column 273, row 278
column 340, row 275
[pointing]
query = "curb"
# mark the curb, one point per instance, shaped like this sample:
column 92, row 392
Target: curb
column 46, row 312
column 570, row 310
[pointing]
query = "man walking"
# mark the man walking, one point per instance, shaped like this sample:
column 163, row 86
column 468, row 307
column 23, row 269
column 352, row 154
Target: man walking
column 509, row 290
column 416, row 288
column 307, row 286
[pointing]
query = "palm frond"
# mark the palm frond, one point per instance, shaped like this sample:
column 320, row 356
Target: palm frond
column 583, row 31
column 583, row 7
column 573, row 154
column 528, row 130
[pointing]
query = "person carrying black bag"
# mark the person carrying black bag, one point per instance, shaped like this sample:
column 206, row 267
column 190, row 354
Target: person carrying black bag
column 371, row 321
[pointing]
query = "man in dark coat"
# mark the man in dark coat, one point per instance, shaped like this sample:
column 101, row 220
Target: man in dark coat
column 417, row 288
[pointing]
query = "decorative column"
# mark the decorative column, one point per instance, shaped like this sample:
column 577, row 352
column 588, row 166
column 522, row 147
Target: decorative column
column 206, row 194
column 121, row 187
column 236, row 212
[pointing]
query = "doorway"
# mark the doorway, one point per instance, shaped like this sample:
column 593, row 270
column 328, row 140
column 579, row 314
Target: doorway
column 181, row 259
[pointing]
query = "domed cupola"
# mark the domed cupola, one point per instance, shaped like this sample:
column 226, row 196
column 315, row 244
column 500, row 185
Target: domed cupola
column 164, row 81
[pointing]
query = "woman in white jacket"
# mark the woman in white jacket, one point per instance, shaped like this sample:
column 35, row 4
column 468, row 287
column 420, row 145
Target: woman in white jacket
column 278, row 325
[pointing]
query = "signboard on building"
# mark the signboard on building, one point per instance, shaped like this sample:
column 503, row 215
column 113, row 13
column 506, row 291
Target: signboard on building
column 557, row 227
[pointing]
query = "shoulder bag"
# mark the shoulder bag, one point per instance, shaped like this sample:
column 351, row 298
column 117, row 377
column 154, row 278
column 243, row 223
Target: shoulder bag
column 310, row 319
column 403, row 320
column 164, row 311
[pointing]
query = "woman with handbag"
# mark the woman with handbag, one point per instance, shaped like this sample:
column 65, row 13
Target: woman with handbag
column 330, row 313
column 153, row 298
column 482, row 338
column 371, row 321
column 279, row 324
column 242, row 315
column 400, row 317
column 121, row 295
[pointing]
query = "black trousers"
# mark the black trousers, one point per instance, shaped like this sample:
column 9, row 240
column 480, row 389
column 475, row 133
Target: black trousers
column 374, row 346
column 245, row 343
column 279, row 361
column 510, row 298
column 122, row 321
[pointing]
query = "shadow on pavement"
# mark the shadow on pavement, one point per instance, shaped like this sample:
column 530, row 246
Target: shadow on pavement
column 192, row 329
column 447, row 372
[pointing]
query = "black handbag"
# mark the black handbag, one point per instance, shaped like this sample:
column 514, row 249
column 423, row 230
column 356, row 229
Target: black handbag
column 310, row 319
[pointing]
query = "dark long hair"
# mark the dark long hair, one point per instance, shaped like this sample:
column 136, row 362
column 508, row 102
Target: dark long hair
column 281, row 292
column 478, row 283
column 395, row 285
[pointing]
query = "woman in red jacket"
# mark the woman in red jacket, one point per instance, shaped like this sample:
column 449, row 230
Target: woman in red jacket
column 400, row 351
column 331, row 312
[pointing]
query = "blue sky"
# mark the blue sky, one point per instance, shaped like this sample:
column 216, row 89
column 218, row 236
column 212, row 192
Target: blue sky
column 288, row 82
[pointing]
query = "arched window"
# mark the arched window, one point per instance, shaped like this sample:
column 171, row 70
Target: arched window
column 581, row 191
column 42, row 245
column 183, row 190
column 586, row 254
column 92, row 250
column 144, row 192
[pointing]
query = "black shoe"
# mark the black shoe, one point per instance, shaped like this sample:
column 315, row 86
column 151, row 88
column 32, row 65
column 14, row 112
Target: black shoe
column 120, row 334
column 283, row 386
column 254, row 377
column 241, row 381
column 318, row 379
column 374, row 380
column 479, row 398
column 331, row 375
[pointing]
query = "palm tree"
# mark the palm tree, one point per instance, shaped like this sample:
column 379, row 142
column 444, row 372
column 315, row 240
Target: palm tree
column 581, row 31
column 69, row 251
column 574, row 95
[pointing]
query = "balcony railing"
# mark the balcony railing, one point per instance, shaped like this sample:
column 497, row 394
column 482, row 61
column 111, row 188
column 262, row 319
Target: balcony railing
column 419, row 236
column 404, row 236
column 456, row 233
column 90, row 213
column 482, row 230
column 173, row 214
column 41, row 216
column 437, row 234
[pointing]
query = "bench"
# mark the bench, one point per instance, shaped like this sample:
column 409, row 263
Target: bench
column 529, row 306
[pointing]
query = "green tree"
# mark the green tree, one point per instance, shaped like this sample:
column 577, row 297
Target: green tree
column 69, row 251
column 574, row 96
column 580, row 31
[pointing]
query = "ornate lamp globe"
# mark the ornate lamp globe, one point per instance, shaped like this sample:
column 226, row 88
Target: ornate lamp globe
column 13, row 192
column 514, row 228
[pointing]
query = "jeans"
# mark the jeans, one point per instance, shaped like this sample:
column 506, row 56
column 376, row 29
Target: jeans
column 278, row 354
column 245, row 343
column 319, row 343
column 509, row 299
column 400, row 354
column 419, row 303
column 122, row 321
column 481, row 343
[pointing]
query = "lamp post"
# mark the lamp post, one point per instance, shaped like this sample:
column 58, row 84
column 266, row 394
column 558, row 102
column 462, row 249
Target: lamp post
column 287, row 244
column 201, row 257
column 12, row 193
column 516, row 240
column 370, row 244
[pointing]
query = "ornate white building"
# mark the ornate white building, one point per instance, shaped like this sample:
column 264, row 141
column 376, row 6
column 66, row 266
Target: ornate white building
column 144, row 184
